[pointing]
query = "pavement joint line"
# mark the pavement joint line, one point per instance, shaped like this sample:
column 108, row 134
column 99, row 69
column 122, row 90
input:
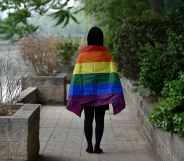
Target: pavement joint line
column 51, row 135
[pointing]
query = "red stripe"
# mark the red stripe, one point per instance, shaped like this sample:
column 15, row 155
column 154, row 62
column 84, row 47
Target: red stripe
column 91, row 48
column 95, row 56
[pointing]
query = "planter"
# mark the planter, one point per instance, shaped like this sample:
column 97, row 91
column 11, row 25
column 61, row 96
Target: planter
column 19, row 134
column 168, row 147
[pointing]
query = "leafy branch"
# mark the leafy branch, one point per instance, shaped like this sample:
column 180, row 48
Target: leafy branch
column 16, row 24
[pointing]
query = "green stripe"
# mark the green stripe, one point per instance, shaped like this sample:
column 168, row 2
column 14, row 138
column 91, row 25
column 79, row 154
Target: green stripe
column 95, row 78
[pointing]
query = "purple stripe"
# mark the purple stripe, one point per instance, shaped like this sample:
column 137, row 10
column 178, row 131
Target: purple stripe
column 75, row 103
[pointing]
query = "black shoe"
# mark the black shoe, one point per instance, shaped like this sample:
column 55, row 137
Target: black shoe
column 98, row 150
column 89, row 149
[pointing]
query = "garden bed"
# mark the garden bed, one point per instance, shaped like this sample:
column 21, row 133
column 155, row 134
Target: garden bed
column 168, row 146
column 8, row 110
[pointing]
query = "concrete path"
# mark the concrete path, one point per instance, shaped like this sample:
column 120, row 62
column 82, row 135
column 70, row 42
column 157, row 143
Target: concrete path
column 62, row 137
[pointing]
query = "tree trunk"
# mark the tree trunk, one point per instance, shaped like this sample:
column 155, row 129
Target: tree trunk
column 156, row 6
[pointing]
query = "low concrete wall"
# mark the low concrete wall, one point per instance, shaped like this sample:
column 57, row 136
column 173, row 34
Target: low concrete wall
column 19, row 134
column 51, row 90
column 169, row 147
column 29, row 95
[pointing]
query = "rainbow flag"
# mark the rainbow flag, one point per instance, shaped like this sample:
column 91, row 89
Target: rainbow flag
column 95, row 81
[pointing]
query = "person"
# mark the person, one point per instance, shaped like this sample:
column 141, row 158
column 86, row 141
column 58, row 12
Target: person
column 95, row 84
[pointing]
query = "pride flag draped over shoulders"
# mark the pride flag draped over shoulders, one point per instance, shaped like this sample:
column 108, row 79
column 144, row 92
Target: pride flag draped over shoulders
column 95, row 81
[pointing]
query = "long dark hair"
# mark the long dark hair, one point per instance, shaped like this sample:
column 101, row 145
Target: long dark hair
column 95, row 36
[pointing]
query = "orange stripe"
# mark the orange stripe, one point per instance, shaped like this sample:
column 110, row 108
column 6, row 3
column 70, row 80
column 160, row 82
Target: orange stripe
column 96, row 56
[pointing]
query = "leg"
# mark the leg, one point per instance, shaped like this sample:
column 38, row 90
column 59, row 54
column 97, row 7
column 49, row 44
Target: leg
column 88, row 127
column 99, row 118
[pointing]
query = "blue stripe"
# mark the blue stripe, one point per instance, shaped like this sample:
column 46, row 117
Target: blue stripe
column 95, row 89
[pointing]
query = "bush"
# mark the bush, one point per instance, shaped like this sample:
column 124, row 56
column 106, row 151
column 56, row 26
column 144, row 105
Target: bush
column 160, row 71
column 66, row 50
column 174, row 56
column 161, row 63
column 47, row 55
column 178, row 123
column 162, row 116
column 135, row 33
column 176, row 18
column 169, row 112
column 151, row 68
column 41, row 53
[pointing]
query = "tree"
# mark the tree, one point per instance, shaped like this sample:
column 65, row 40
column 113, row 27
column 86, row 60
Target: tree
column 110, row 14
column 17, row 25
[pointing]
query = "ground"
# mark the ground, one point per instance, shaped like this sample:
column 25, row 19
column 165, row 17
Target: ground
column 62, row 137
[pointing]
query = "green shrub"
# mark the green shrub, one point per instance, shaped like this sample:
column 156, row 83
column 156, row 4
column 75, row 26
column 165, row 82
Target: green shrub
column 161, row 63
column 176, row 18
column 178, row 123
column 174, row 56
column 66, row 50
column 151, row 68
column 169, row 112
column 109, row 14
column 174, row 89
column 135, row 33
column 162, row 116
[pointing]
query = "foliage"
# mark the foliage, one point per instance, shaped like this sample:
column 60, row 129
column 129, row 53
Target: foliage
column 161, row 117
column 12, row 27
column 170, row 5
column 174, row 55
column 129, row 26
column 176, row 18
column 169, row 112
column 41, row 52
column 110, row 13
column 178, row 123
column 47, row 55
column 161, row 64
column 136, row 33
column 16, row 24
column 151, row 68
column 174, row 89
column 72, row 29
column 66, row 50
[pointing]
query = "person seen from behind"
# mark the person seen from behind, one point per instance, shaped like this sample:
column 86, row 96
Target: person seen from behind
column 95, row 84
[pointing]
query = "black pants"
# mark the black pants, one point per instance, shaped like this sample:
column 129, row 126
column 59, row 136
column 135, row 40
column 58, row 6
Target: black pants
column 99, row 113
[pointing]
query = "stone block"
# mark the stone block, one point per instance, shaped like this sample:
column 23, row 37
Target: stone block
column 19, row 134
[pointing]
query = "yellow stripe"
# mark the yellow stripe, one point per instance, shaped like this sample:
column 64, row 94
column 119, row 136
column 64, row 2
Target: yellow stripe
column 96, row 67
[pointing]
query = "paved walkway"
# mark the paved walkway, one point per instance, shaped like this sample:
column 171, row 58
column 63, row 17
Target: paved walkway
column 62, row 137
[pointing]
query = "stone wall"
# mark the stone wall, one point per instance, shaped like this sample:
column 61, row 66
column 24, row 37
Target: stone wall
column 168, row 147
column 51, row 90
column 19, row 134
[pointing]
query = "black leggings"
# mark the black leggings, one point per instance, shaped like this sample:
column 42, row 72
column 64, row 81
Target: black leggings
column 88, row 123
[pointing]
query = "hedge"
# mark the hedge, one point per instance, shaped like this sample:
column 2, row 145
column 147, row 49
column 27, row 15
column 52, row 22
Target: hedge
column 135, row 33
